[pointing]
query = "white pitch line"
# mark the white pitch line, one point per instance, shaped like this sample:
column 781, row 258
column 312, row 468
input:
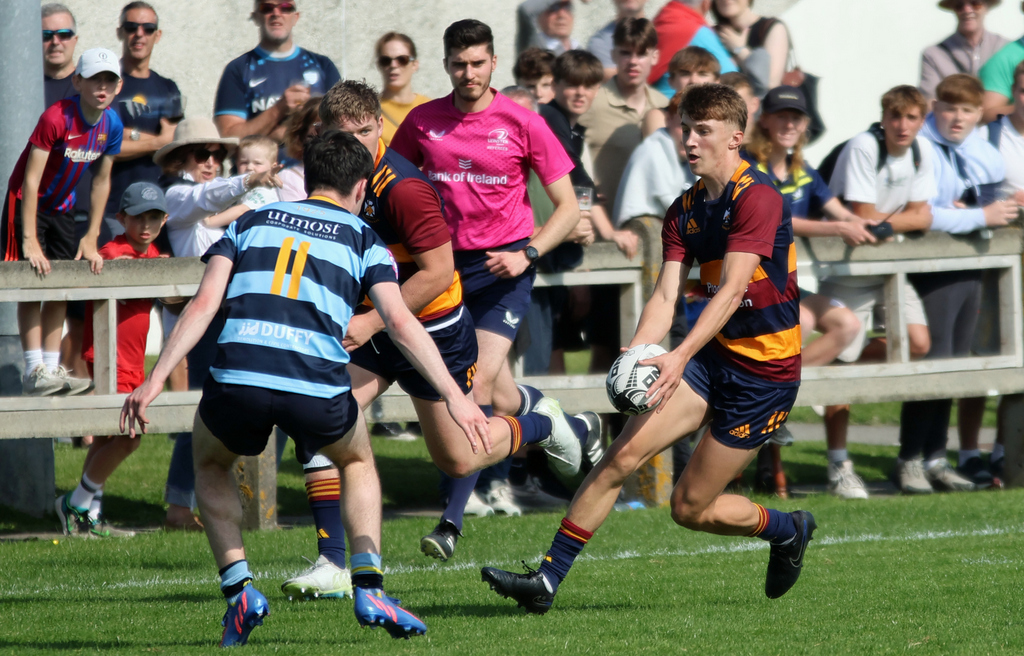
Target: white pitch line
column 737, row 547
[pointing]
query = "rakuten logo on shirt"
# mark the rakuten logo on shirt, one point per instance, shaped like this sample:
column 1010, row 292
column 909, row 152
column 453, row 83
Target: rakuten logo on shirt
column 466, row 176
column 79, row 155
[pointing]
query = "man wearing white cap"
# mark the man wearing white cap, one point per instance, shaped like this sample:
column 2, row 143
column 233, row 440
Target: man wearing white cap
column 37, row 224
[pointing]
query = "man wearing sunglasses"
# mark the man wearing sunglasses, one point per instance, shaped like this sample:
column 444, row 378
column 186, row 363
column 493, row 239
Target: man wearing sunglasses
column 60, row 36
column 966, row 51
column 260, row 89
column 149, row 106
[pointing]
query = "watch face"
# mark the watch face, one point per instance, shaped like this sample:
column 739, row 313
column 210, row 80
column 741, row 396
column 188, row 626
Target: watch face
column 531, row 253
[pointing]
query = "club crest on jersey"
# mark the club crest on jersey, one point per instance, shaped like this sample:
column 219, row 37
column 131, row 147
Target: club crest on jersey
column 311, row 77
column 497, row 139
column 727, row 220
column 101, row 138
column 369, row 210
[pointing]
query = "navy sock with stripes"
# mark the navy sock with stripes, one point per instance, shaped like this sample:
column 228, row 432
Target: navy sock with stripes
column 773, row 525
column 325, row 502
column 568, row 543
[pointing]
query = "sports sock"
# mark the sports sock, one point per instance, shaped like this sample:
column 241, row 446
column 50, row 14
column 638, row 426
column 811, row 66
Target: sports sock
column 773, row 525
column 81, row 497
column 836, row 456
column 96, row 507
column 458, row 494
column 568, row 543
column 967, row 454
column 998, row 452
column 325, row 501
column 233, row 579
column 367, row 571
column 528, row 398
column 52, row 360
column 33, row 359
column 527, row 429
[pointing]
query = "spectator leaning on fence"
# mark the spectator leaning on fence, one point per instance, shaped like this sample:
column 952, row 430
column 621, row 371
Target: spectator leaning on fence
column 259, row 90
column 397, row 62
column 776, row 148
column 142, row 211
column 968, row 173
column 71, row 135
column 1007, row 134
column 60, row 36
column 883, row 175
column 966, row 50
column 532, row 71
column 600, row 44
column 679, row 24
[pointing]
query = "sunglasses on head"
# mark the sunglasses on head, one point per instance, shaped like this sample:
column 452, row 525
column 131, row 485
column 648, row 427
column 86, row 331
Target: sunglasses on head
column 62, row 35
column 131, row 27
column 402, row 60
column 203, row 154
column 267, row 8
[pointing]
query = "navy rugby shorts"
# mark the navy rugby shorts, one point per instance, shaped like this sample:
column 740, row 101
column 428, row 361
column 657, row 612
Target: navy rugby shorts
column 745, row 410
column 456, row 341
column 497, row 305
column 242, row 416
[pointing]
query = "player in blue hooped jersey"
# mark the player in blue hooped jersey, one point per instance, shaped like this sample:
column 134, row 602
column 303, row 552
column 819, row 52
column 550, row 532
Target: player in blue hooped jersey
column 287, row 279
column 259, row 90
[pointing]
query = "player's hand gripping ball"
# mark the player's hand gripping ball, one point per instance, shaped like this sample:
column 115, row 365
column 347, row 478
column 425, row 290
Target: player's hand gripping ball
column 629, row 381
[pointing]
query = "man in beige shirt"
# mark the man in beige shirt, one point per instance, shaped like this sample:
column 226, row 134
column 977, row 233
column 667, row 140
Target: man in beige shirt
column 613, row 121
column 966, row 50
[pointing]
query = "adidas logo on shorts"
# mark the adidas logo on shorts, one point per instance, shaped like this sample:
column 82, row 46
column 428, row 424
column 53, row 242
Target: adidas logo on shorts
column 741, row 431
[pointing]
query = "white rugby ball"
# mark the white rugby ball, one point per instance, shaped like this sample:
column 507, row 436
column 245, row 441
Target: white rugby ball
column 629, row 381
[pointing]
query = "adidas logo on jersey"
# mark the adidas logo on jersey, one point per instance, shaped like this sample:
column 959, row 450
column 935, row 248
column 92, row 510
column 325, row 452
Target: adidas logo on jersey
column 741, row 432
column 692, row 227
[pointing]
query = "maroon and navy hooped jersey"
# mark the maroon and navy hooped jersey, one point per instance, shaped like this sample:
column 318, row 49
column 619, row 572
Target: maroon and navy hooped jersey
column 73, row 145
column 762, row 338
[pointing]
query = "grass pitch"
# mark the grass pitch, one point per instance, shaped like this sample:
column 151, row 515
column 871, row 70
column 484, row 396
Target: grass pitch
column 934, row 575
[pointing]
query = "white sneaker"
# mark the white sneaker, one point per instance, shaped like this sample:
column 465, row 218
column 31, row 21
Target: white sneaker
column 529, row 495
column 40, row 382
column 501, row 499
column 562, row 446
column 73, row 385
column 477, row 507
column 909, row 477
column 322, row 579
column 844, row 483
column 946, row 479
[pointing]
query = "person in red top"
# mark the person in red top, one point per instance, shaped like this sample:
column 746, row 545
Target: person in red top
column 680, row 24
column 738, row 369
column 143, row 213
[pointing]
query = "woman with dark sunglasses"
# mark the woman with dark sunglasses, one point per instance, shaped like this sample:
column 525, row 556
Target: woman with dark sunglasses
column 396, row 61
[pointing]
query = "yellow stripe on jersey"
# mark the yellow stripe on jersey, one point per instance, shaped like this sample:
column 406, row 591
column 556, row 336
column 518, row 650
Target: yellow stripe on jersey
column 297, row 268
column 764, row 348
column 281, row 267
column 711, row 272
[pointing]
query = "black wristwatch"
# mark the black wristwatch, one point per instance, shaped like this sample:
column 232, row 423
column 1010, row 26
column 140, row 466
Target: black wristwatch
column 531, row 254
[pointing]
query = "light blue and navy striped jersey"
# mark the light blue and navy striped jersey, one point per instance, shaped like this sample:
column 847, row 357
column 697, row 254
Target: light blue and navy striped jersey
column 299, row 270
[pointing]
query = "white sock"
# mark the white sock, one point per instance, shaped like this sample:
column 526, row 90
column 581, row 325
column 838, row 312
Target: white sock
column 52, row 360
column 33, row 359
column 836, row 456
column 95, row 506
column 967, row 454
column 928, row 464
column 82, row 495
column 998, row 452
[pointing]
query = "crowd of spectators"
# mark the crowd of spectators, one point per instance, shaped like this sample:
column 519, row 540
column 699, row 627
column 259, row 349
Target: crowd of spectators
column 947, row 155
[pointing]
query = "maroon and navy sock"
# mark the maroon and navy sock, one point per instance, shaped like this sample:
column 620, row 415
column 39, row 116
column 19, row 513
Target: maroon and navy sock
column 528, row 429
column 325, row 502
column 773, row 525
column 568, row 543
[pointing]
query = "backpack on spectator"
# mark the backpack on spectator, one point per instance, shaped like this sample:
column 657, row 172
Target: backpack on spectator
column 794, row 77
column 995, row 131
column 828, row 165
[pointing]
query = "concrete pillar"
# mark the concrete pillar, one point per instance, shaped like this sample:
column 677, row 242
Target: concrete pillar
column 256, row 477
column 26, row 466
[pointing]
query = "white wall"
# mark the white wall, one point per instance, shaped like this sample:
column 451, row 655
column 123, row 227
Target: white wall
column 861, row 49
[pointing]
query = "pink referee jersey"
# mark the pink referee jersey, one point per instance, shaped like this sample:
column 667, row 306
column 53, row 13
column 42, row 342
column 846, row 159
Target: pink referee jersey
column 480, row 163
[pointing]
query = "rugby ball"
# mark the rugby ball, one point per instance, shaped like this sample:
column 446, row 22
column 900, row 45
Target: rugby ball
column 628, row 381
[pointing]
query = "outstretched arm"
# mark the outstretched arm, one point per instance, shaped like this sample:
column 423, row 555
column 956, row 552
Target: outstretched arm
column 191, row 326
